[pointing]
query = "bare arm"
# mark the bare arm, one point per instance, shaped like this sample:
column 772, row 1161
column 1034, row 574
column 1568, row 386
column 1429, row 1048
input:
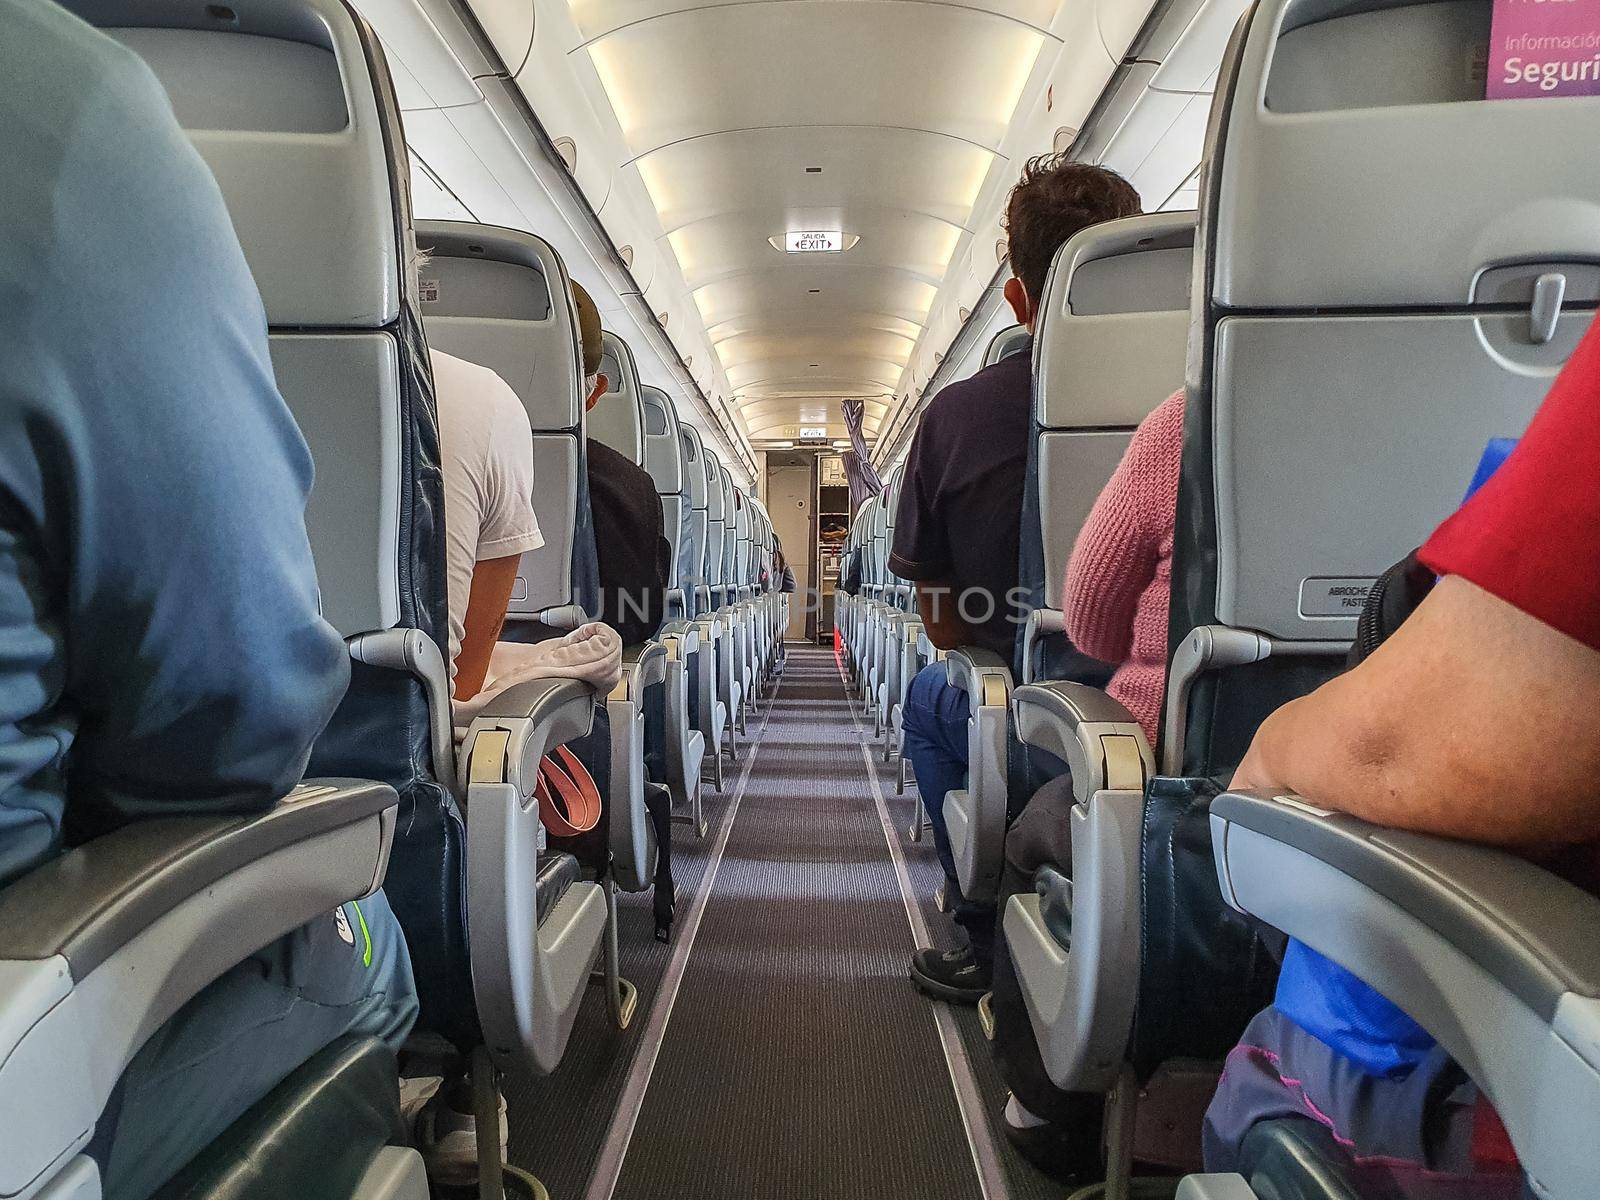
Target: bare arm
column 1474, row 721
column 492, row 581
column 936, row 602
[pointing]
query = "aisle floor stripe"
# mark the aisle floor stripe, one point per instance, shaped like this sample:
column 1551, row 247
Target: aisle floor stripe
column 980, row 1137
column 609, row 1167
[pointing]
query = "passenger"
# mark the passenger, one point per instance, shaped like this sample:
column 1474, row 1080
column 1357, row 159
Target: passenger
column 782, row 572
column 161, row 652
column 1502, row 656
column 958, row 528
column 1116, row 595
column 634, row 556
column 486, row 458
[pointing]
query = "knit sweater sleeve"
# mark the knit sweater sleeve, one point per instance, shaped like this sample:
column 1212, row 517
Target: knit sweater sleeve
column 1119, row 547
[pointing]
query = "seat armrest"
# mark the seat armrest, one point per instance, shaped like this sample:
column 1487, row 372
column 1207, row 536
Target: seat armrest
column 1493, row 955
column 982, row 674
column 101, row 945
column 1088, row 730
column 416, row 654
column 1041, row 621
column 976, row 815
column 564, row 708
column 526, row 978
column 643, row 666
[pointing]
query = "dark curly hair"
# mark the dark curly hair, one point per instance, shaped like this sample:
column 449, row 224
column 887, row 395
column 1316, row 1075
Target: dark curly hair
column 1053, row 200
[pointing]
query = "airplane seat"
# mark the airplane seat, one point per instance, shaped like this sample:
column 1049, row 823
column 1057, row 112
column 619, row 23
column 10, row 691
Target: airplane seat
column 1443, row 333
column 898, row 617
column 501, row 298
column 716, row 670
column 883, row 606
column 692, row 546
column 290, row 104
column 1110, row 347
column 684, row 744
column 732, row 684
column 705, row 706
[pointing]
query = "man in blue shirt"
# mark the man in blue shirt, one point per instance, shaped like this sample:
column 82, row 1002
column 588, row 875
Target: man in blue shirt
column 161, row 651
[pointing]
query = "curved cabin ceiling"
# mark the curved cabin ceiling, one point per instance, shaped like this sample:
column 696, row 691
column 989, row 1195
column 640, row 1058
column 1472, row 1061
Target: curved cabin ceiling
column 737, row 122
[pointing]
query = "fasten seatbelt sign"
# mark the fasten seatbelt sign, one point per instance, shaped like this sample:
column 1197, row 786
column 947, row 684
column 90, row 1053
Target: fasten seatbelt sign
column 1541, row 48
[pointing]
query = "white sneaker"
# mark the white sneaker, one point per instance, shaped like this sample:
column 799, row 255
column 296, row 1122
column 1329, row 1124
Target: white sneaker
column 415, row 1092
column 448, row 1142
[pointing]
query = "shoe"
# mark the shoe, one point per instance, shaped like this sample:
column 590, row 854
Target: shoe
column 952, row 975
column 448, row 1141
column 1071, row 1158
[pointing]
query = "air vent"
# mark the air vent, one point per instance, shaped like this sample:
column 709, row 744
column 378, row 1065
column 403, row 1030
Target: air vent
column 689, row 361
column 938, row 357
column 813, row 170
column 964, row 313
column 625, row 253
column 662, row 317
column 1000, row 250
column 1064, row 138
column 568, row 149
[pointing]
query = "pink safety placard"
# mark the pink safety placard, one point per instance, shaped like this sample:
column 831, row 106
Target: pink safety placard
column 1544, row 48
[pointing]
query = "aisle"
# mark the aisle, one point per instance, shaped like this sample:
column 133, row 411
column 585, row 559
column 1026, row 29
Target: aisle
column 798, row 1061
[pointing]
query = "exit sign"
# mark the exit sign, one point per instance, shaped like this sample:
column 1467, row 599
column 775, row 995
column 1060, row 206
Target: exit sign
column 813, row 241
column 813, row 433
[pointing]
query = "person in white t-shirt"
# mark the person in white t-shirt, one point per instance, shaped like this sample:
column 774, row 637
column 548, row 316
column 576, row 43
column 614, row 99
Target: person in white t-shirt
column 486, row 454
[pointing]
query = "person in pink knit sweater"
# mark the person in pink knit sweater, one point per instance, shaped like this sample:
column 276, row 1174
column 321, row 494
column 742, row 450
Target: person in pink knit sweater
column 1119, row 579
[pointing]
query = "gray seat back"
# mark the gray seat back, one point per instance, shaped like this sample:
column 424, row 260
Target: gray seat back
column 287, row 111
column 1112, row 332
column 692, row 553
column 1340, row 399
column 1003, row 343
column 617, row 419
column 664, row 456
column 501, row 298
column 744, row 539
column 730, row 529
column 716, row 523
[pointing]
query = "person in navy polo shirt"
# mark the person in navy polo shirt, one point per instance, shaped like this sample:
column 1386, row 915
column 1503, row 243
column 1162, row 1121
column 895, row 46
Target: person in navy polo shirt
column 958, row 528
column 1503, row 654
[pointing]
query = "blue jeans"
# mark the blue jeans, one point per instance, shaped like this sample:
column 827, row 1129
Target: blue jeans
column 934, row 724
column 346, row 972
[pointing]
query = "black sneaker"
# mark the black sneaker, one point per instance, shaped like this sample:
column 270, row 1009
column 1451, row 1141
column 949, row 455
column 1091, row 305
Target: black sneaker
column 952, row 975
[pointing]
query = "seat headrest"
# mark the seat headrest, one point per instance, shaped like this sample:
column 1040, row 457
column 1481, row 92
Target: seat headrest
column 617, row 419
column 694, row 473
column 282, row 101
column 501, row 298
column 663, row 442
column 1114, row 322
column 717, row 501
column 1003, row 343
column 1356, row 163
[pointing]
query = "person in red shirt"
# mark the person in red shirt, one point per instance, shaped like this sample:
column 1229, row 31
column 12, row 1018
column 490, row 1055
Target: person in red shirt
column 1504, row 653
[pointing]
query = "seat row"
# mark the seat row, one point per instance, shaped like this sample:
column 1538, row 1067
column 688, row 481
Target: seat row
column 1339, row 395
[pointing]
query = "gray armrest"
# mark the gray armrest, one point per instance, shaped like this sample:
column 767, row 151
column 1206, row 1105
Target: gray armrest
column 633, row 847
column 415, row 653
column 528, row 977
column 1041, row 621
column 976, row 816
column 1088, row 730
column 1494, row 956
column 643, row 666
column 101, row 945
